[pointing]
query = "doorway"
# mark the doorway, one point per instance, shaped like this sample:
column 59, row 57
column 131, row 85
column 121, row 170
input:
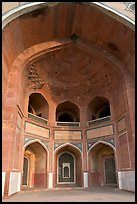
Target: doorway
column 110, row 174
column 66, row 168
column 35, row 166
column 101, row 162
column 68, row 165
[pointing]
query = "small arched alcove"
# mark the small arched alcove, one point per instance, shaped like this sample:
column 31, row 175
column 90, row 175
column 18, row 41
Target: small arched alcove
column 99, row 107
column 67, row 112
column 38, row 105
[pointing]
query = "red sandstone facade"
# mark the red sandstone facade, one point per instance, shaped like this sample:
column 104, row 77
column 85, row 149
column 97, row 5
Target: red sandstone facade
column 67, row 98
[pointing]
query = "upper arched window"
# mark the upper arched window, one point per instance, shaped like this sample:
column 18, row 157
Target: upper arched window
column 99, row 107
column 67, row 112
column 38, row 105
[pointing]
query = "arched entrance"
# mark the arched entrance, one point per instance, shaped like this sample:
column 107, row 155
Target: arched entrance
column 101, row 163
column 35, row 166
column 68, row 166
column 110, row 174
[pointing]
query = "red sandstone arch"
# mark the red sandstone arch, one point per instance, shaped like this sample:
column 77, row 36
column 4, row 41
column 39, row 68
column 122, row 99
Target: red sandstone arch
column 33, row 141
column 37, row 154
column 23, row 50
column 39, row 105
column 70, row 148
column 96, row 106
column 97, row 155
column 69, row 108
column 103, row 142
column 82, row 45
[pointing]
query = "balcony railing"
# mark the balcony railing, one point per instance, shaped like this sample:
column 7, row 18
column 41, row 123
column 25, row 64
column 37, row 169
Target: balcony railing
column 99, row 120
column 68, row 124
column 37, row 118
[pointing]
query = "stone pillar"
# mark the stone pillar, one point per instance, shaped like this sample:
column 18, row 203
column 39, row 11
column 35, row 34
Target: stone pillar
column 51, row 161
column 130, row 121
column 83, row 116
column 84, row 167
column 52, row 114
column 12, row 137
column 52, row 120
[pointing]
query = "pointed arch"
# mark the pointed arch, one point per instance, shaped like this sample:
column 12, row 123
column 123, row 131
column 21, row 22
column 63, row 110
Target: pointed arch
column 78, row 163
column 67, row 165
column 101, row 142
column 39, row 162
column 96, row 156
column 67, row 111
column 65, row 145
column 99, row 107
column 34, row 141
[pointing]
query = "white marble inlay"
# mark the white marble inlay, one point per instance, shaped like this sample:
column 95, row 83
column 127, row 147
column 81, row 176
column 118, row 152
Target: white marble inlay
column 126, row 180
column 14, row 183
column 50, row 180
column 3, row 182
column 85, row 175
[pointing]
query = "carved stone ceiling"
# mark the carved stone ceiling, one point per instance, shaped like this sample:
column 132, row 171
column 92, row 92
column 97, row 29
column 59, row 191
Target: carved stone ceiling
column 72, row 74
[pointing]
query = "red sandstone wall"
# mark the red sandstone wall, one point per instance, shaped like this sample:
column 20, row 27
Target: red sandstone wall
column 17, row 37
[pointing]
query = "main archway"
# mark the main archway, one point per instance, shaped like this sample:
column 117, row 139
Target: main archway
column 68, row 166
column 67, row 58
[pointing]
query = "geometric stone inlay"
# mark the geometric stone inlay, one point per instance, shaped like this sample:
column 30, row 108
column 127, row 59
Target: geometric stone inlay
column 57, row 144
column 27, row 139
column 45, row 143
column 93, row 141
column 79, row 145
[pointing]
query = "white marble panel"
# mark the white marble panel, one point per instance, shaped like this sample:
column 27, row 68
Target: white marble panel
column 3, row 182
column 50, row 180
column 14, row 183
column 126, row 180
column 85, row 175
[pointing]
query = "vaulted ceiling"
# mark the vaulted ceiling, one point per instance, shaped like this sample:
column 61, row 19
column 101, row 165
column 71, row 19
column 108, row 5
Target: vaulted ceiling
column 72, row 72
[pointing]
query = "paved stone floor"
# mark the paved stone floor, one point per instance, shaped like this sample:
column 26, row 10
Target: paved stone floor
column 94, row 194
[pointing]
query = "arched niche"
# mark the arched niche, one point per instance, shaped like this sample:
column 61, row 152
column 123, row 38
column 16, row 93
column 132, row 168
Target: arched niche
column 101, row 164
column 67, row 112
column 99, row 107
column 71, row 159
column 35, row 171
column 38, row 105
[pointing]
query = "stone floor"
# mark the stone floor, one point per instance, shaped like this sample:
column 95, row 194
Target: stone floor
column 94, row 194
